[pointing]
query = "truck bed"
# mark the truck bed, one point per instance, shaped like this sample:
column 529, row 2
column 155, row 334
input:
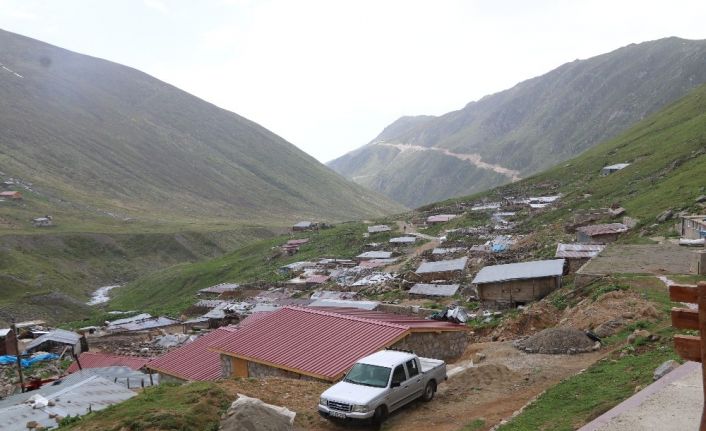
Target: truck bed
column 428, row 364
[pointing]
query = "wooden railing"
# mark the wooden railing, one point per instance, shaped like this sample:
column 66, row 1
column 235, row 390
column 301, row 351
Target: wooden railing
column 691, row 347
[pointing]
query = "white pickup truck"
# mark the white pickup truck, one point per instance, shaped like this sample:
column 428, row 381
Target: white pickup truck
column 381, row 383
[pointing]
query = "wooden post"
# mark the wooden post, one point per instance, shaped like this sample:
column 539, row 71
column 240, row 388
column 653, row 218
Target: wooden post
column 689, row 347
column 13, row 328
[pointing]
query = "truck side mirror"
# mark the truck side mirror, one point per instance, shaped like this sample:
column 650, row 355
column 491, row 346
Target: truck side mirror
column 395, row 384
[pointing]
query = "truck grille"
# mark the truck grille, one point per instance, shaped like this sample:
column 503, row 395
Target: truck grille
column 341, row 407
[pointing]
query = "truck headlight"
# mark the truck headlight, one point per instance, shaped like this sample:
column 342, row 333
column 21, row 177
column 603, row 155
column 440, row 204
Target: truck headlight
column 323, row 401
column 360, row 409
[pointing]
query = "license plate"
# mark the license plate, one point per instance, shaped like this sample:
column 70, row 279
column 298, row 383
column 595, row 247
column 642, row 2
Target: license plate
column 337, row 414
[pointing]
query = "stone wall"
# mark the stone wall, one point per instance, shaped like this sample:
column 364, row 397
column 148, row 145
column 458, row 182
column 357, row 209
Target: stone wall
column 226, row 366
column 445, row 345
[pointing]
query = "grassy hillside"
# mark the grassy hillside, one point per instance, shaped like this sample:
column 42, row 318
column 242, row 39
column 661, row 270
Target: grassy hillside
column 92, row 137
column 173, row 289
column 52, row 276
column 532, row 126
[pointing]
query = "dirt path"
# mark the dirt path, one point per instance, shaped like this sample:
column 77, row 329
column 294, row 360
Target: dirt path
column 409, row 229
column 495, row 388
column 473, row 159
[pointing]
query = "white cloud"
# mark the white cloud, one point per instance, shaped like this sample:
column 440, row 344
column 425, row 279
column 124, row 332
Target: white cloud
column 157, row 5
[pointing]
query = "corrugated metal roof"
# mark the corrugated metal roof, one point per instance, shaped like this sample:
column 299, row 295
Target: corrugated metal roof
column 403, row 240
column 143, row 325
column 414, row 323
column 520, row 271
column 304, row 224
column 125, row 376
column 73, row 396
column 221, row 288
column 441, row 218
column 4, row 332
column 434, row 289
column 379, row 228
column 578, row 251
column 100, row 360
column 310, row 342
column 375, row 255
column 449, row 250
column 603, row 229
column 345, row 303
column 318, row 279
column 58, row 336
column 443, row 266
column 376, row 263
column 194, row 361
column 141, row 316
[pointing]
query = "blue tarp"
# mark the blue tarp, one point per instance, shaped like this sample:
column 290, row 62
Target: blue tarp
column 498, row 247
column 11, row 359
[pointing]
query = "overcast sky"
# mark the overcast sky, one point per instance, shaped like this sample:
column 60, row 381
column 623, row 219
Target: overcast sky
column 329, row 75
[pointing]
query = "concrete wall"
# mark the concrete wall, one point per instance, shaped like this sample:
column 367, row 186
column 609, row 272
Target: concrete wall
column 518, row 291
column 260, row 370
column 691, row 227
column 445, row 345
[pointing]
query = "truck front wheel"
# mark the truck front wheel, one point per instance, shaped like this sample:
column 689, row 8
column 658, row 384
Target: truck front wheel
column 380, row 415
column 429, row 391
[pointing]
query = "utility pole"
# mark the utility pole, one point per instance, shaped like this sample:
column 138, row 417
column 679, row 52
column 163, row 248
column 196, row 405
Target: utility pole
column 13, row 328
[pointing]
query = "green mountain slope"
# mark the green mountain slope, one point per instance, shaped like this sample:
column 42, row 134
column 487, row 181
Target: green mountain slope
column 532, row 126
column 104, row 138
column 667, row 152
column 667, row 156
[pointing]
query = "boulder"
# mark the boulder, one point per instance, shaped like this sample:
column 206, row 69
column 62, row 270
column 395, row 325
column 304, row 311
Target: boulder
column 252, row 414
column 638, row 333
column 666, row 368
column 701, row 199
column 665, row 215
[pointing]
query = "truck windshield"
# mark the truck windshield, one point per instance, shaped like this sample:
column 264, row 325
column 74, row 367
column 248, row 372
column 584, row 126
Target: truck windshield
column 368, row 375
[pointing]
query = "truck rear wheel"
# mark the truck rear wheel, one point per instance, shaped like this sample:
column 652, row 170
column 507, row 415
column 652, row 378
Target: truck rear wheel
column 429, row 391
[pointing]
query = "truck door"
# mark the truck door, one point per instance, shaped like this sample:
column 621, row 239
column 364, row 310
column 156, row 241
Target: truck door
column 415, row 382
column 398, row 391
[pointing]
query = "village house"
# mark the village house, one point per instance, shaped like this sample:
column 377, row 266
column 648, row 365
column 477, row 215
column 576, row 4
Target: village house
column 440, row 218
column 446, row 290
column 519, row 283
column 600, row 233
column 403, row 240
column 8, row 342
column 692, row 227
column 292, row 246
column 607, row 170
column 577, row 254
column 370, row 255
column 43, row 221
column 56, row 341
column 12, row 195
column 379, row 228
column 304, row 225
column 193, row 361
column 442, row 270
column 322, row 343
column 219, row 289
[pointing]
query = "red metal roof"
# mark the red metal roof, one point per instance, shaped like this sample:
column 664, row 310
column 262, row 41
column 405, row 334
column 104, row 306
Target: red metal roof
column 100, row 360
column 194, row 361
column 415, row 324
column 309, row 341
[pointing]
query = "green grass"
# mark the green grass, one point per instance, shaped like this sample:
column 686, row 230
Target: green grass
column 172, row 290
column 189, row 407
column 585, row 396
column 474, row 425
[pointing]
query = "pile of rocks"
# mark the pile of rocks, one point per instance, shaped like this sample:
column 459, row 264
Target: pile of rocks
column 558, row 341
